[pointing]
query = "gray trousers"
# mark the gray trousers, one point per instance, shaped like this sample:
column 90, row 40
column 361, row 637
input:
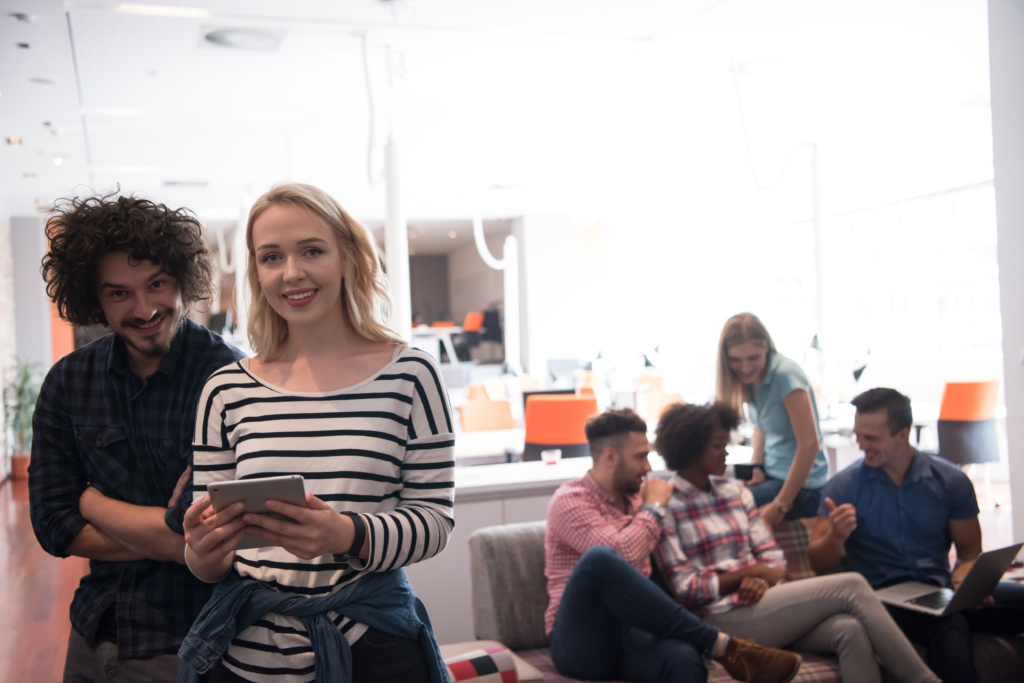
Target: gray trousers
column 835, row 614
column 99, row 664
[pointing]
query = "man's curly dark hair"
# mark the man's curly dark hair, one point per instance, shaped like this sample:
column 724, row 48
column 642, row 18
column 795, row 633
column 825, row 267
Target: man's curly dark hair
column 81, row 231
column 684, row 431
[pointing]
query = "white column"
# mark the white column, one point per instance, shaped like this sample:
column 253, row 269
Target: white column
column 240, row 261
column 396, row 246
column 31, row 305
column 819, row 220
column 1006, row 69
column 510, row 264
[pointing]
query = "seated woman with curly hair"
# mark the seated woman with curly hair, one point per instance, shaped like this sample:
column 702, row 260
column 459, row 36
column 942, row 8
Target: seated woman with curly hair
column 721, row 562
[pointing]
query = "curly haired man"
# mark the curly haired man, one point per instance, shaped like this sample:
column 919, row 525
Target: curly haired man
column 113, row 429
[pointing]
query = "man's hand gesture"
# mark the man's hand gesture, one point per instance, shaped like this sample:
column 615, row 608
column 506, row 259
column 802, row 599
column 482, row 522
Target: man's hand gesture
column 843, row 519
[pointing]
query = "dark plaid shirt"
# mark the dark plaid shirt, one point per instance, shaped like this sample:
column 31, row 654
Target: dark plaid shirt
column 97, row 424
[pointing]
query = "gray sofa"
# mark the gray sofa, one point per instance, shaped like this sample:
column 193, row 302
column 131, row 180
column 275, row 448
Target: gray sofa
column 510, row 596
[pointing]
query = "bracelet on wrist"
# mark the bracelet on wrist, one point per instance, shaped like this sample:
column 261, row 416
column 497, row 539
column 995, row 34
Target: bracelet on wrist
column 782, row 505
column 358, row 538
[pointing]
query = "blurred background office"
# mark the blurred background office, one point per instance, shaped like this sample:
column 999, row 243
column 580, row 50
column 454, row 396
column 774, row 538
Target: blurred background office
column 569, row 196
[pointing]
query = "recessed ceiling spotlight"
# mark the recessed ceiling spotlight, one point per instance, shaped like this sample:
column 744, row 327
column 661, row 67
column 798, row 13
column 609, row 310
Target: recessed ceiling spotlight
column 22, row 17
column 23, row 46
column 453, row 234
column 41, row 81
column 58, row 161
column 412, row 234
column 14, row 142
column 412, row 251
column 41, row 203
column 243, row 38
column 28, row 174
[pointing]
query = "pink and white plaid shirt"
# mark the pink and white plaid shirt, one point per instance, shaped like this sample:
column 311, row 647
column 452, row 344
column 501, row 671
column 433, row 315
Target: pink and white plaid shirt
column 582, row 515
column 707, row 533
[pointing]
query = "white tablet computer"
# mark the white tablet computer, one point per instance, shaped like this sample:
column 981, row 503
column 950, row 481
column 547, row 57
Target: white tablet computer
column 255, row 493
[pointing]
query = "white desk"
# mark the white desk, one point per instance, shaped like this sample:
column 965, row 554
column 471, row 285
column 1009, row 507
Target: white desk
column 442, row 335
column 489, row 443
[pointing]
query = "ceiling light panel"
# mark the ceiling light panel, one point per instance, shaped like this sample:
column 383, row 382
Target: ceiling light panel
column 241, row 38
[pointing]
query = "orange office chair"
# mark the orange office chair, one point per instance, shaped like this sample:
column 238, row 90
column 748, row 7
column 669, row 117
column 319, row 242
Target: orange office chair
column 477, row 392
column 657, row 402
column 478, row 416
column 967, row 426
column 587, row 391
column 443, row 323
column 473, row 322
column 557, row 421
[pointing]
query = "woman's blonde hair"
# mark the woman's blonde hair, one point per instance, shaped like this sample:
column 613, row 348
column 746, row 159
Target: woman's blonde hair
column 364, row 287
column 738, row 329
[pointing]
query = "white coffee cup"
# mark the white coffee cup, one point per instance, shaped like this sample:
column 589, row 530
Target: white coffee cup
column 551, row 456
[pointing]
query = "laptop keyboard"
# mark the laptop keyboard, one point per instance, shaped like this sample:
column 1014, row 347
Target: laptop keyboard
column 937, row 600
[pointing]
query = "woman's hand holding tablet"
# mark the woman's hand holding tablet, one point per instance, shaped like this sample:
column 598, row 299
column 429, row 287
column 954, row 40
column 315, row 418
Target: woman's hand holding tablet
column 305, row 532
column 211, row 538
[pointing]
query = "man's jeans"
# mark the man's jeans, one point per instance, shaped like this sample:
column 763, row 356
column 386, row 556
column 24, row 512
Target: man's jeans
column 949, row 640
column 615, row 623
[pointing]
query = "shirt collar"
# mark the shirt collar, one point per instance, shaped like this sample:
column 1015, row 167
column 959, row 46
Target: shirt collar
column 117, row 359
column 920, row 468
column 688, row 491
column 605, row 497
column 773, row 362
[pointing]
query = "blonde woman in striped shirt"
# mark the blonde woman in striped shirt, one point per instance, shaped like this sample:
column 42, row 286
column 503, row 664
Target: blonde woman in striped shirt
column 335, row 395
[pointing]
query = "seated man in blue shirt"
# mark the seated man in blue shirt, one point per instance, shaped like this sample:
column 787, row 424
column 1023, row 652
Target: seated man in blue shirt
column 892, row 516
column 113, row 428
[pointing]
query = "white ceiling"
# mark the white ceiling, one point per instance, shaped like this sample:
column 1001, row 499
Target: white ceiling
column 571, row 106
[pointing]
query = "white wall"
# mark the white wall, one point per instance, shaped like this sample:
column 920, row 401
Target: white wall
column 7, row 321
column 31, row 307
column 564, row 310
column 1006, row 57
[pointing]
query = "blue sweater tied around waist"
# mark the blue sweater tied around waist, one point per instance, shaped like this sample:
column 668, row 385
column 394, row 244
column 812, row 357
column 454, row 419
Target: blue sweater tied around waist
column 382, row 600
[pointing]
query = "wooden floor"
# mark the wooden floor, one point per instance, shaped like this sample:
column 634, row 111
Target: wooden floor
column 35, row 592
column 36, row 588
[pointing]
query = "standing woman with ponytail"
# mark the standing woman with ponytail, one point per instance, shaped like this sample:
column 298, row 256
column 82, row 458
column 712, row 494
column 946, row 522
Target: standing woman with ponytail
column 787, row 438
column 335, row 395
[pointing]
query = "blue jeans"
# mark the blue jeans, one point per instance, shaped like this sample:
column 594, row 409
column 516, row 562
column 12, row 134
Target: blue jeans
column 614, row 623
column 948, row 640
column 805, row 504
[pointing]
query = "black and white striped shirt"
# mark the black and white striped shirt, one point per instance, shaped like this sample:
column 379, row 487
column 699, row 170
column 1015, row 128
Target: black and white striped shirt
column 383, row 448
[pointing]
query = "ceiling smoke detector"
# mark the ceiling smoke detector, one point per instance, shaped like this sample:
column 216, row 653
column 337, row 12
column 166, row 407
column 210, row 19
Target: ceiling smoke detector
column 243, row 38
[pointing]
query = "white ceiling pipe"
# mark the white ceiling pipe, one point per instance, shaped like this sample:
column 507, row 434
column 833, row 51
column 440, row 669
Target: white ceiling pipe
column 510, row 265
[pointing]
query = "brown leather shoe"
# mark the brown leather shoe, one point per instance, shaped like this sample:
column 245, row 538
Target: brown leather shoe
column 753, row 663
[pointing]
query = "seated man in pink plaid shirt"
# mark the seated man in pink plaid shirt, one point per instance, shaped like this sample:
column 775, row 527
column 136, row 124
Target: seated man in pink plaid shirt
column 720, row 561
column 606, row 619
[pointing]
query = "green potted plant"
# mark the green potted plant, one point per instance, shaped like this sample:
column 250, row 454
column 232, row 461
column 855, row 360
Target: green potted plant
column 20, row 393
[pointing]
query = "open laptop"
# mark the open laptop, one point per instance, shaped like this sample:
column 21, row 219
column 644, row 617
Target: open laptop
column 976, row 586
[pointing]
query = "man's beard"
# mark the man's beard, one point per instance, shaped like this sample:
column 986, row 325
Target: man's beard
column 624, row 481
column 153, row 350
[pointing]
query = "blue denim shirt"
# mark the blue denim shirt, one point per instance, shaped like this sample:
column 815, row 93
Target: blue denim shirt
column 902, row 531
column 382, row 600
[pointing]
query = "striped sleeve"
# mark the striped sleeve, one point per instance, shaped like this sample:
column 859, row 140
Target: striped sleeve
column 421, row 524
column 213, row 456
